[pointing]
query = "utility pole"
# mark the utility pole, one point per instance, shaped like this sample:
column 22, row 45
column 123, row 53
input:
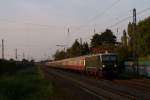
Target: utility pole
column 135, row 44
column 81, row 41
column 23, row 56
column 134, row 17
column 117, row 31
column 68, row 32
column 68, row 36
column 16, row 55
column 94, row 31
column 2, row 49
column 134, row 33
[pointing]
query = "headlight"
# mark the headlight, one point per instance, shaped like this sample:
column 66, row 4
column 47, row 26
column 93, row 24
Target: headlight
column 115, row 65
column 103, row 66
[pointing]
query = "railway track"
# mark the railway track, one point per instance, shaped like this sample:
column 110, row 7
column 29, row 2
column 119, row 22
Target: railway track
column 142, row 85
column 50, row 73
column 143, row 81
column 122, row 90
column 102, row 89
column 94, row 90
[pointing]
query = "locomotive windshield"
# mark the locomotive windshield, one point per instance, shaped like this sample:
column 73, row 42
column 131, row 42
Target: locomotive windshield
column 109, row 58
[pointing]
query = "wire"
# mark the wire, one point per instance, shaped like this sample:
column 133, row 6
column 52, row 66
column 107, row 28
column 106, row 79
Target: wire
column 33, row 24
column 99, row 15
column 103, row 12
column 144, row 10
column 126, row 18
column 122, row 20
column 48, row 26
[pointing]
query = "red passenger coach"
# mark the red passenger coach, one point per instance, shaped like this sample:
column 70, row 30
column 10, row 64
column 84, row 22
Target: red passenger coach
column 71, row 63
column 75, row 63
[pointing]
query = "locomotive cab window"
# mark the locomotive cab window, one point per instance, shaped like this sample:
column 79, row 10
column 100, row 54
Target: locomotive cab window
column 106, row 58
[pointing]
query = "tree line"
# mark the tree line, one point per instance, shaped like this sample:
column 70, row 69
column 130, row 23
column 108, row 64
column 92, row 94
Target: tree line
column 135, row 40
column 79, row 49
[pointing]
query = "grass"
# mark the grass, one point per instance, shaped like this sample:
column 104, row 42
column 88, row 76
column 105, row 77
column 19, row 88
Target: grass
column 26, row 83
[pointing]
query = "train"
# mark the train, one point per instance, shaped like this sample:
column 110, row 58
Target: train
column 102, row 64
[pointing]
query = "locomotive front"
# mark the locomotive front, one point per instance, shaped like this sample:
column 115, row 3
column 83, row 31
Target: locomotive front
column 109, row 64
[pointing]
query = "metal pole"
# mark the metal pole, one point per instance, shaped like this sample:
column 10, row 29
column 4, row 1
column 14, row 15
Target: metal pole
column 94, row 30
column 135, row 50
column 16, row 55
column 23, row 56
column 2, row 49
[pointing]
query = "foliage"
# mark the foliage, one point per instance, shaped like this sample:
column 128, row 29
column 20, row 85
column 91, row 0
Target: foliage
column 105, row 40
column 11, row 67
column 123, row 55
column 137, row 39
column 23, row 83
column 140, row 39
column 96, row 40
column 143, row 37
column 106, row 37
column 85, row 48
column 77, row 49
column 60, row 55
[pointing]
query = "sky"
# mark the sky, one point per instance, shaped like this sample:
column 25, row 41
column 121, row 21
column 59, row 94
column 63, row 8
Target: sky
column 35, row 27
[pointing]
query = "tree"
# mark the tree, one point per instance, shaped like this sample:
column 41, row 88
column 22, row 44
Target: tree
column 139, row 40
column 60, row 55
column 104, row 41
column 123, row 55
column 104, row 38
column 76, row 49
column 96, row 40
column 108, row 37
column 143, row 37
column 85, row 48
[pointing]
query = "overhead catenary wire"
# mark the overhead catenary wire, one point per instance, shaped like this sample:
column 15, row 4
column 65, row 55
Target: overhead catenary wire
column 128, row 17
column 120, row 21
column 144, row 10
column 104, row 11
column 110, row 26
column 92, row 19
column 99, row 15
column 32, row 24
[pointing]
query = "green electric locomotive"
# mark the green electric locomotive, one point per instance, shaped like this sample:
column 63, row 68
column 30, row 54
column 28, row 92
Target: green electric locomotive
column 104, row 64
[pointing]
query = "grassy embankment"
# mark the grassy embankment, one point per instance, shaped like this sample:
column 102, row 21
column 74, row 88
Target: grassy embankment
column 23, row 81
